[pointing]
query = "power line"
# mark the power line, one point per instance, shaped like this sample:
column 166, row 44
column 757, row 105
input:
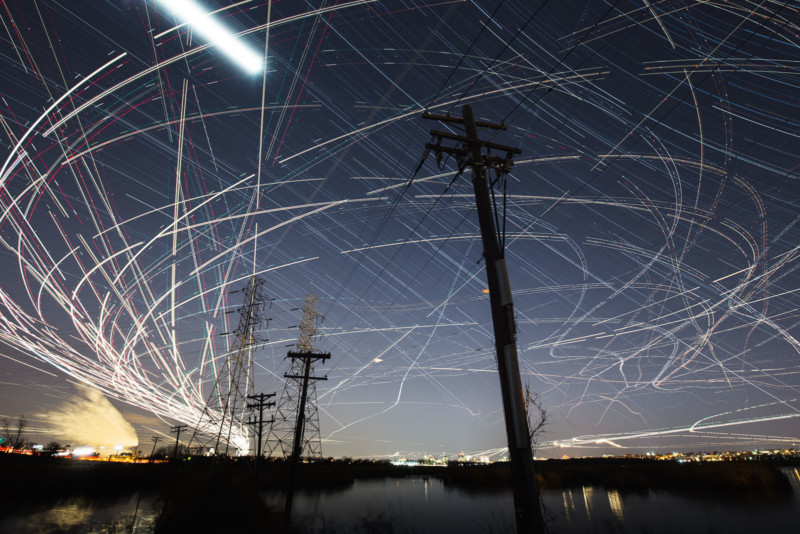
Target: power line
column 505, row 47
column 408, row 185
column 464, row 55
column 559, row 63
column 588, row 181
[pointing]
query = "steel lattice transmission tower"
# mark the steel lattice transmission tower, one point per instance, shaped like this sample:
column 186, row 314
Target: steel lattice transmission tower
column 295, row 429
column 225, row 415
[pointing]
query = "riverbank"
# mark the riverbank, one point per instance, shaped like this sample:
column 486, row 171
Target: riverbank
column 746, row 481
column 48, row 478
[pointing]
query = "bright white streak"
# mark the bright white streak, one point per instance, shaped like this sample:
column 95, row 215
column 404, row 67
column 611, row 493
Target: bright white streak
column 211, row 30
column 179, row 26
column 191, row 52
column 5, row 170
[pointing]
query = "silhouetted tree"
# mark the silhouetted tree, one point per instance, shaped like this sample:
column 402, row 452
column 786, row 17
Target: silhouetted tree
column 537, row 417
column 13, row 432
column 168, row 451
column 537, row 420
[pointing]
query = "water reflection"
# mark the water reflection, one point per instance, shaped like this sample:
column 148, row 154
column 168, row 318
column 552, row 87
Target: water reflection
column 793, row 473
column 616, row 503
column 401, row 505
column 85, row 516
column 426, row 505
column 595, row 509
column 569, row 503
column 66, row 516
column 587, row 500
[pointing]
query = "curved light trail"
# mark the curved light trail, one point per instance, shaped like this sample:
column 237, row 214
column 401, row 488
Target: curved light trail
column 651, row 222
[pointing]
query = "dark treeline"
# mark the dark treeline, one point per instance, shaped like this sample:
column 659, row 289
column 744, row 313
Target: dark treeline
column 46, row 477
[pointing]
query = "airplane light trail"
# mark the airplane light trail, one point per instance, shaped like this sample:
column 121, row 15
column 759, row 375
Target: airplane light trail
column 212, row 30
column 650, row 224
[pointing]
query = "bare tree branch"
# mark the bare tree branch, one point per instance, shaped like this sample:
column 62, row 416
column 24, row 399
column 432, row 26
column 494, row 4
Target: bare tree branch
column 537, row 417
column 13, row 434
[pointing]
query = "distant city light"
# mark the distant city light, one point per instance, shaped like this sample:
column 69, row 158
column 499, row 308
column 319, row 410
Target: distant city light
column 210, row 29
column 82, row 451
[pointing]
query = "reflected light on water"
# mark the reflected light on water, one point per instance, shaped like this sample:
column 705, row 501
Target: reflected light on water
column 587, row 499
column 794, row 476
column 68, row 516
column 616, row 503
column 398, row 505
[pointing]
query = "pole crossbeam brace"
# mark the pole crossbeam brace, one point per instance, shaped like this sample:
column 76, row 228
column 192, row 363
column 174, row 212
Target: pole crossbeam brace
column 526, row 494
column 445, row 149
column 465, row 139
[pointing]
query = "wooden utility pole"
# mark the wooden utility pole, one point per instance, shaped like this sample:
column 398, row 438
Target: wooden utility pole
column 155, row 439
column 307, row 358
column 260, row 402
column 177, row 431
column 470, row 152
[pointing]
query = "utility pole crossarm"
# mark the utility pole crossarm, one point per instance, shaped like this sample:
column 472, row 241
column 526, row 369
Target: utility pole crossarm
column 301, row 377
column 312, row 355
column 460, row 120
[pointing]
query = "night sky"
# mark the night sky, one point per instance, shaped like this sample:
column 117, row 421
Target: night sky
column 651, row 223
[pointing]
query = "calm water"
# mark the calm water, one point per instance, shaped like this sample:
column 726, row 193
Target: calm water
column 416, row 505
column 426, row 506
